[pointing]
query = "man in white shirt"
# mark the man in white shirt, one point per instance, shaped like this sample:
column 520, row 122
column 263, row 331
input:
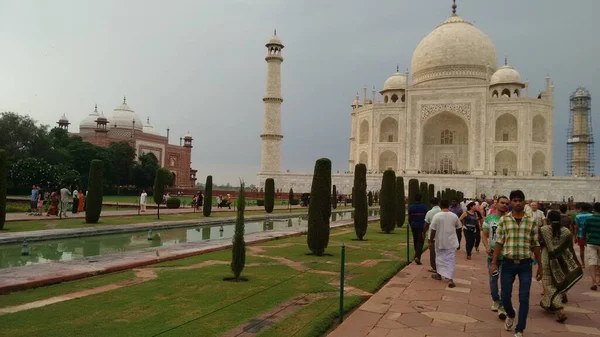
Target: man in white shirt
column 445, row 240
column 143, row 201
column 64, row 201
column 435, row 209
column 538, row 216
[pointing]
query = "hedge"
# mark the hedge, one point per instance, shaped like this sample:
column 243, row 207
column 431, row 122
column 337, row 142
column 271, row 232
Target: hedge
column 93, row 202
column 319, row 208
column 173, row 203
column 3, row 174
column 360, row 200
column 388, row 202
column 401, row 202
column 207, row 207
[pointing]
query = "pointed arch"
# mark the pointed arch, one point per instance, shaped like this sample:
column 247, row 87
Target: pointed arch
column 364, row 132
column 447, row 137
column 388, row 160
column 394, row 98
column 538, row 129
column 506, row 128
column 446, row 165
column 495, row 94
column 538, row 163
column 388, row 130
column 506, row 163
column 506, row 92
column 363, row 158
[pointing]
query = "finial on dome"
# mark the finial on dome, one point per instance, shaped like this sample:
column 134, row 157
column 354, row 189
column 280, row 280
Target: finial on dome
column 124, row 99
column 397, row 67
column 148, row 120
column 505, row 60
column 275, row 32
column 454, row 7
column 96, row 108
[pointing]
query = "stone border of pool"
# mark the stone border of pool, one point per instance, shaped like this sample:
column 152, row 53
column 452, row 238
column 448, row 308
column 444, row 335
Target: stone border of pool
column 21, row 278
column 53, row 234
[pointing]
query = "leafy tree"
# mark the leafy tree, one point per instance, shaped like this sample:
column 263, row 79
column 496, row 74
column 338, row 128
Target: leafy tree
column 334, row 198
column 413, row 189
column 122, row 156
column 370, row 198
column 160, row 182
column 359, row 198
column 22, row 138
column 388, row 202
column 319, row 208
column 93, row 206
column 207, row 207
column 3, row 174
column 401, row 202
column 144, row 171
column 269, row 195
column 238, row 251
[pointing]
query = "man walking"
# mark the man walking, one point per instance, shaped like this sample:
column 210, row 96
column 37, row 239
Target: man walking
column 490, row 229
column 416, row 219
column 143, row 197
column 445, row 241
column 580, row 220
column 435, row 209
column 34, row 199
column 64, row 201
column 458, row 210
column 516, row 237
column 591, row 234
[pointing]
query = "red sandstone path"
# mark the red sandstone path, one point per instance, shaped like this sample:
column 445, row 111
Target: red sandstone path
column 24, row 217
column 412, row 304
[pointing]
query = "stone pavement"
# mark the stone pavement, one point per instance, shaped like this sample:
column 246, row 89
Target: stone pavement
column 412, row 304
column 24, row 217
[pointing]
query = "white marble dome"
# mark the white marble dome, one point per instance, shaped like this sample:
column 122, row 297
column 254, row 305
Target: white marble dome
column 149, row 128
column 506, row 75
column 274, row 40
column 123, row 116
column 395, row 82
column 89, row 122
column 455, row 49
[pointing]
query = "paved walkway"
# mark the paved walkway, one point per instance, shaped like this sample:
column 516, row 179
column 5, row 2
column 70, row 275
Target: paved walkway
column 412, row 304
column 24, row 217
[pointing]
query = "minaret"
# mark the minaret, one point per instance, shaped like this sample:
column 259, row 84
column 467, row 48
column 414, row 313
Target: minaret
column 580, row 141
column 270, row 160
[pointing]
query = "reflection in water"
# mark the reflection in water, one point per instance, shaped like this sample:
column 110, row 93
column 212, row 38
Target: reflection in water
column 76, row 248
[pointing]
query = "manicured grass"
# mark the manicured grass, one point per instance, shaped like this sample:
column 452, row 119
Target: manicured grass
column 187, row 199
column 22, row 226
column 197, row 302
column 36, row 294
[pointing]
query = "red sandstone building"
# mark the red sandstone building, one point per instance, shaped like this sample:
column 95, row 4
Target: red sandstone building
column 125, row 125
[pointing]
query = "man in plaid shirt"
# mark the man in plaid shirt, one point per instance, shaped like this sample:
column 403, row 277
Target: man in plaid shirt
column 517, row 236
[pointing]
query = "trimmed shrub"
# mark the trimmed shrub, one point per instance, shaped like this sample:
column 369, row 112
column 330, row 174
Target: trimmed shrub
column 93, row 203
column 424, row 189
column 334, row 198
column 173, row 203
column 207, row 207
column 3, row 175
column 388, row 202
column 269, row 195
column 401, row 202
column 291, row 197
column 295, row 202
column 430, row 192
column 160, row 182
column 360, row 211
column 460, row 196
column 370, row 198
column 413, row 189
column 352, row 199
column 439, row 195
column 238, row 251
column 319, row 208
column 260, row 202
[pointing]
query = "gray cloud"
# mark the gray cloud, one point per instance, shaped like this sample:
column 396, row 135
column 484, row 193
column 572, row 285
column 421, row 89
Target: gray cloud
column 199, row 66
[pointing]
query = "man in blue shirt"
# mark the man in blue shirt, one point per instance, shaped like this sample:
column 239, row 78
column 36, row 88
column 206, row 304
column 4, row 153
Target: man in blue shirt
column 34, row 198
column 416, row 219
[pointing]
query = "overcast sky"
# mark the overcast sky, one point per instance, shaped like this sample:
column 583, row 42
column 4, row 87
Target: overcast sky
column 199, row 65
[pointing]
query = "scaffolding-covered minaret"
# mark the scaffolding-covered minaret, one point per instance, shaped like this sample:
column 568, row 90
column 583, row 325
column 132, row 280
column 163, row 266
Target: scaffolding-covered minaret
column 580, row 138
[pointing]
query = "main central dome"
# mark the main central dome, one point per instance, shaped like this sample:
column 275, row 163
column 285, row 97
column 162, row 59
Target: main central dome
column 454, row 53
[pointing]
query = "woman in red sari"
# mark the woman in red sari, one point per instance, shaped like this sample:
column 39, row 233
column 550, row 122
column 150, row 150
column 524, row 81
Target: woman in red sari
column 80, row 206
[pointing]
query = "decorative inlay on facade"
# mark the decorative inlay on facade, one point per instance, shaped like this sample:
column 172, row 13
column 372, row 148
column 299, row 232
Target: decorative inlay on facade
column 462, row 109
column 453, row 71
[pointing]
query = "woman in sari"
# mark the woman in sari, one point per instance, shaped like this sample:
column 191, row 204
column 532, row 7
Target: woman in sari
column 561, row 267
column 53, row 204
column 81, row 201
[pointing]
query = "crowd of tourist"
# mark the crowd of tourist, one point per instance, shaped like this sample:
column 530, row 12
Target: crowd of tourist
column 55, row 202
column 516, row 235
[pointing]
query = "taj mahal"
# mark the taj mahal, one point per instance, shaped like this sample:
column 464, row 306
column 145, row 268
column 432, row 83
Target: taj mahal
column 457, row 120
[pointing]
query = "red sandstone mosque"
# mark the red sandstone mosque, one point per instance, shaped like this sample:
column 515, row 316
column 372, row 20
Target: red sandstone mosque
column 126, row 126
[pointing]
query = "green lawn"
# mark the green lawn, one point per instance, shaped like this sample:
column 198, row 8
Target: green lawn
column 33, row 225
column 186, row 199
column 196, row 302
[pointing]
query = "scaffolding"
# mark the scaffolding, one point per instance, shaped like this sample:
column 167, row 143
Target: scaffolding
column 580, row 138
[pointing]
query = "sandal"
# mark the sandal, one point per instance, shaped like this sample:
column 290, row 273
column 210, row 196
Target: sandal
column 561, row 317
column 432, row 270
column 594, row 287
column 436, row 276
column 451, row 284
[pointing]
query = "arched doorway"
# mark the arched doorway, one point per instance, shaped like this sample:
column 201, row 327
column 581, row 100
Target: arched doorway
column 174, row 178
column 538, row 163
column 363, row 158
column 538, row 132
column 506, row 163
column 445, row 137
column 446, row 165
column 506, row 128
column 364, row 133
column 388, row 131
column 388, row 160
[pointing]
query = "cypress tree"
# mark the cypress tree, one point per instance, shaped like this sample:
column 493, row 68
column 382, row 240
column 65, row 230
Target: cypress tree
column 94, row 195
column 424, row 189
column 353, row 192
column 370, row 198
column 431, row 191
column 319, row 208
column 444, row 197
column 3, row 175
column 401, row 202
column 413, row 189
column 334, row 198
column 207, row 207
column 160, row 181
column 291, row 198
column 269, row 195
column 238, row 251
column 439, row 195
column 361, row 210
column 388, row 202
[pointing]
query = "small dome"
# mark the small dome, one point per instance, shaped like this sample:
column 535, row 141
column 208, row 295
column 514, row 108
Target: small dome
column 148, row 128
column 454, row 50
column 581, row 92
column 123, row 117
column 397, row 81
column 63, row 119
column 90, row 120
column 274, row 40
column 506, row 75
column 100, row 117
column 187, row 136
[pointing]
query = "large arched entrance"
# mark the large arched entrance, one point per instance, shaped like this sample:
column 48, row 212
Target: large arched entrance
column 538, row 164
column 388, row 132
column 363, row 158
column 388, row 160
column 445, row 144
column 506, row 163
